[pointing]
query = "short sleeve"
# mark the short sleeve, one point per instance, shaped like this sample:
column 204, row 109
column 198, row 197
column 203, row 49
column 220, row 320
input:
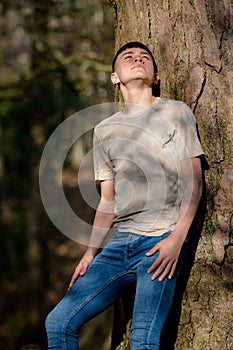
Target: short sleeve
column 102, row 164
column 187, row 138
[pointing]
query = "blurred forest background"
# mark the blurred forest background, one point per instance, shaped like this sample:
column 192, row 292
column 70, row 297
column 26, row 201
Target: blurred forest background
column 55, row 60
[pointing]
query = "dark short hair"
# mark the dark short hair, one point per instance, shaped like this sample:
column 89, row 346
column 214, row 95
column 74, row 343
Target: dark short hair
column 132, row 44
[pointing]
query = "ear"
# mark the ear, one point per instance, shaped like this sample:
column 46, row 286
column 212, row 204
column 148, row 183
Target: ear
column 114, row 78
column 156, row 78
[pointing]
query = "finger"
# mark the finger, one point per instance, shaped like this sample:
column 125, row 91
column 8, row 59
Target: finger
column 173, row 269
column 83, row 269
column 70, row 285
column 73, row 279
column 162, row 271
column 165, row 273
column 159, row 271
column 75, row 275
column 79, row 271
column 153, row 250
column 155, row 264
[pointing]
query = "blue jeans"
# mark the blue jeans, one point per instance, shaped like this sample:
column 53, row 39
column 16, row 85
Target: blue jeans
column 121, row 262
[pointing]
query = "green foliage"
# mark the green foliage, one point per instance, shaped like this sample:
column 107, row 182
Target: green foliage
column 55, row 61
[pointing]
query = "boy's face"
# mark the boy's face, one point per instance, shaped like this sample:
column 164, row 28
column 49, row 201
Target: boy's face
column 132, row 64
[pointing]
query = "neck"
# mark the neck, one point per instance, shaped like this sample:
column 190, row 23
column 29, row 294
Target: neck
column 135, row 97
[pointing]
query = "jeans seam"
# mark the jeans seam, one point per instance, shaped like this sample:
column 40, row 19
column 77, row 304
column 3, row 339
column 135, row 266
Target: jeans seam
column 156, row 313
column 157, row 309
column 86, row 302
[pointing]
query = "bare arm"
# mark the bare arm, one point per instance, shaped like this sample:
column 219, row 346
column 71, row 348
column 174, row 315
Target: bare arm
column 170, row 248
column 102, row 222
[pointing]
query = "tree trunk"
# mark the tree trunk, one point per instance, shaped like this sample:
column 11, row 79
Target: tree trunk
column 192, row 44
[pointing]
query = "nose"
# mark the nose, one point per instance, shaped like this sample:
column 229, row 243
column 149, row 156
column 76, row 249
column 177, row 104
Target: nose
column 139, row 59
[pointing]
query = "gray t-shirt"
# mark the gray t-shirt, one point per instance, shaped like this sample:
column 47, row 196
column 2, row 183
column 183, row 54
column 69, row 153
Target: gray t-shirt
column 142, row 153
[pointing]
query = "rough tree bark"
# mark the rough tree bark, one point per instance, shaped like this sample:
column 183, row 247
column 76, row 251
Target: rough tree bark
column 193, row 46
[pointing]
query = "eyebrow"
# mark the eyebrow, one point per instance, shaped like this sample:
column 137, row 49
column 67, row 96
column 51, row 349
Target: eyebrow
column 131, row 52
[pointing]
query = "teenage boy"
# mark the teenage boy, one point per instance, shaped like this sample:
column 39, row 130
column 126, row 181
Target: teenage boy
column 147, row 160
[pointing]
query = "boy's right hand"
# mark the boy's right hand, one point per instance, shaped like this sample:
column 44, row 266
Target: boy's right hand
column 81, row 267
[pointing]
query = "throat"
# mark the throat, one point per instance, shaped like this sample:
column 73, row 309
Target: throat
column 135, row 107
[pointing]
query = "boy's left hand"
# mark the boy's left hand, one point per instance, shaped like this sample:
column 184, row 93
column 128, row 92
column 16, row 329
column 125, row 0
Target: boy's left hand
column 169, row 251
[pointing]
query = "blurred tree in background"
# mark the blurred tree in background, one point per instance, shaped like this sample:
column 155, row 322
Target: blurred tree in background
column 55, row 59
